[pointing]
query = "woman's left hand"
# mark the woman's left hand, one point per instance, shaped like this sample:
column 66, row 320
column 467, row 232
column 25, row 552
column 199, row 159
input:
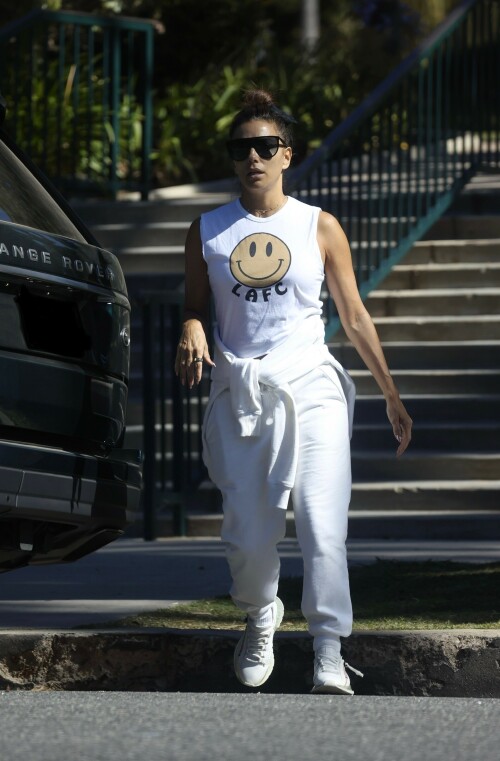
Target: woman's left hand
column 401, row 423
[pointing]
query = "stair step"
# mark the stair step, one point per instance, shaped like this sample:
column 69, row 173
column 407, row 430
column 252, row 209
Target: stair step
column 471, row 226
column 455, row 250
column 454, row 437
column 427, row 496
column 112, row 235
column 144, row 260
column 448, row 525
column 422, row 355
column 434, row 301
column 431, row 465
column 458, row 275
column 145, row 212
column 440, row 408
column 403, row 496
column 439, row 328
column 410, row 382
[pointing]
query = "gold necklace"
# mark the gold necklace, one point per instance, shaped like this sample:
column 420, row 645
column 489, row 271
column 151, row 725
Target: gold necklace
column 263, row 212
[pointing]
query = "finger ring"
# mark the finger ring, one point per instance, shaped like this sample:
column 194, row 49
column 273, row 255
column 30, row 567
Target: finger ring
column 197, row 359
column 183, row 362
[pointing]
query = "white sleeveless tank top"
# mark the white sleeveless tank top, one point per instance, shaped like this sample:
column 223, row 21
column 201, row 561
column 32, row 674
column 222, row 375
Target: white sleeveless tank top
column 265, row 273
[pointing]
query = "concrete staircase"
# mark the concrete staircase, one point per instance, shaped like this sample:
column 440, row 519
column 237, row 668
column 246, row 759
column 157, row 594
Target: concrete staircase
column 438, row 316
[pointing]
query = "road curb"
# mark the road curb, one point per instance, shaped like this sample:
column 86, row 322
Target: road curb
column 452, row 663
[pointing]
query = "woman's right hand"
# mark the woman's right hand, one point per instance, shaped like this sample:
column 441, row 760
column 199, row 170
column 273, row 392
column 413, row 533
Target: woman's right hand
column 192, row 351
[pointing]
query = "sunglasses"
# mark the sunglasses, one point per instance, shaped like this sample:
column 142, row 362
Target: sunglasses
column 266, row 147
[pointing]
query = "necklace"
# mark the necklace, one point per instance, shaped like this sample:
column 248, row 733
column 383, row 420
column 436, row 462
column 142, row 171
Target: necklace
column 264, row 212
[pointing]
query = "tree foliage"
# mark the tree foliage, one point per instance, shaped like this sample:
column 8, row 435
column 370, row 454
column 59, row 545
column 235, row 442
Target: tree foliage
column 207, row 53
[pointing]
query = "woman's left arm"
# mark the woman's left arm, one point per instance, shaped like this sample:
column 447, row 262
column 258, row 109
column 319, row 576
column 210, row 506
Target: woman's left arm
column 357, row 323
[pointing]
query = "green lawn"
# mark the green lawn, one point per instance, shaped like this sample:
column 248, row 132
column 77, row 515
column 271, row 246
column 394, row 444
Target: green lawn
column 388, row 594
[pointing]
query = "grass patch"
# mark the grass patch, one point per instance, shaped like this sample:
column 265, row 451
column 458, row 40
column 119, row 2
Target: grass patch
column 388, row 594
column 426, row 595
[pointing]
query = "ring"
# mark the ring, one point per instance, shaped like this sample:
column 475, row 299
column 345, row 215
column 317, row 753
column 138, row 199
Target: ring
column 197, row 359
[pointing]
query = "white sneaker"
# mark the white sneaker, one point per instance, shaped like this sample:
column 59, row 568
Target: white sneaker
column 330, row 674
column 254, row 656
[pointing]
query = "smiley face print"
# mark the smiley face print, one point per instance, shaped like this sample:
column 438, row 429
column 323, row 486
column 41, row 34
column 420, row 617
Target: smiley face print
column 260, row 260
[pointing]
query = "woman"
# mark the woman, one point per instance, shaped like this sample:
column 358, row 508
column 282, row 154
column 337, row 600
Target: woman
column 279, row 416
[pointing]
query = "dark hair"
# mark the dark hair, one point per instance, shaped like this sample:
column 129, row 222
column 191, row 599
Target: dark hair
column 259, row 104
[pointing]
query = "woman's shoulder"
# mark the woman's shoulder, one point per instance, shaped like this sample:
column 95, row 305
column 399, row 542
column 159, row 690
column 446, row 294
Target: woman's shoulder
column 327, row 221
column 330, row 232
column 215, row 221
column 227, row 209
column 297, row 207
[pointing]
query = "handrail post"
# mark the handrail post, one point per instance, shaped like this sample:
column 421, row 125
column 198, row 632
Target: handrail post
column 148, row 407
column 115, row 106
column 178, row 417
column 147, row 132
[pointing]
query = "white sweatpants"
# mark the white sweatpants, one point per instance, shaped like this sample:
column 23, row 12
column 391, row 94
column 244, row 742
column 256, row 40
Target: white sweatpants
column 320, row 496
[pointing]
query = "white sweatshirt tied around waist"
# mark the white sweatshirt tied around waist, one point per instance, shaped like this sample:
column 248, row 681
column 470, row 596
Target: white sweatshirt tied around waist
column 302, row 352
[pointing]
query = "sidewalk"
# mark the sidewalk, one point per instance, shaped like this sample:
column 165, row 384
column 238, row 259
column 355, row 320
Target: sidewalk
column 130, row 576
column 40, row 648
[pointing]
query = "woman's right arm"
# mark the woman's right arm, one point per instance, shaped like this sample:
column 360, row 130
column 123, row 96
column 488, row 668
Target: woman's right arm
column 193, row 340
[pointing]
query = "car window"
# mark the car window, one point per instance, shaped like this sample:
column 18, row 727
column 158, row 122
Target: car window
column 24, row 201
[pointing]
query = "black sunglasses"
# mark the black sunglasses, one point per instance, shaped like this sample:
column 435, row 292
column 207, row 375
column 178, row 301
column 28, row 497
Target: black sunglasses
column 266, row 146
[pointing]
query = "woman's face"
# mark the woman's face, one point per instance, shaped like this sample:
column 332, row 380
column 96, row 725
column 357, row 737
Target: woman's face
column 256, row 173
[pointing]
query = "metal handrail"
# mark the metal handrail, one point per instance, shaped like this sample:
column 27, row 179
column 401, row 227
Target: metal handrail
column 79, row 97
column 172, row 414
column 394, row 166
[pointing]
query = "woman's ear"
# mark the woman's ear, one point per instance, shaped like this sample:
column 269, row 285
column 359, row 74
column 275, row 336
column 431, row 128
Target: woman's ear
column 287, row 157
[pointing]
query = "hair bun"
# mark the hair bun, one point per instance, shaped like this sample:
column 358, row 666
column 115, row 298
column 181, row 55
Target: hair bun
column 259, row 104
column 257, row 100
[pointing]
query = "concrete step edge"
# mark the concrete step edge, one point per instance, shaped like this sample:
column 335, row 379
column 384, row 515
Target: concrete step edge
column 487, row 344
column 358, row 514
column 459, row 242
column 434, row 373
column 447, row 267
column 369, row 454
column 479, row 319
column 149, row 250
column 434, row 293
column 469, row 485
column 145, row 226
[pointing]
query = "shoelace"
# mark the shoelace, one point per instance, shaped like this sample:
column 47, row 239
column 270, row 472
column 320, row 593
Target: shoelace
column 354, row 671
column 257, row 643
column 324, row 661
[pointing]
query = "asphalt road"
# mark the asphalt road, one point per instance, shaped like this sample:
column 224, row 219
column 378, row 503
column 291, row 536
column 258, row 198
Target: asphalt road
column 99, row 726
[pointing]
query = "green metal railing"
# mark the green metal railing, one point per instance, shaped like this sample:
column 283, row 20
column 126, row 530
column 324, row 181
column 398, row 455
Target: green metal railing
column 397, row 163
column 388, row 172
column 172, row 415
column 78, row 89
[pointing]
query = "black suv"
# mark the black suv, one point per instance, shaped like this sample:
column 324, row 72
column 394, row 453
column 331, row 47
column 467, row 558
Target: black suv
column 66, row 486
